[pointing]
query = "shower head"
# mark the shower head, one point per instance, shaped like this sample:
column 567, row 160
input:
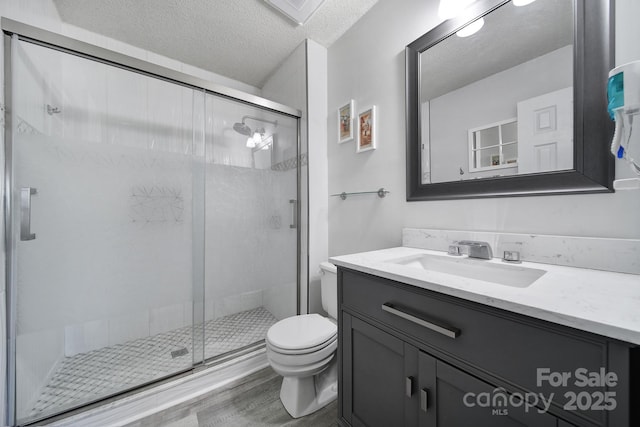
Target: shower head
column 245, row 130
column 242, row 129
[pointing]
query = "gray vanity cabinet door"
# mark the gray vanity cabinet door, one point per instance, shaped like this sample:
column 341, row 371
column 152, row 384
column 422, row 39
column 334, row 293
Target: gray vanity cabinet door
column 380, row 374
column 455, row 398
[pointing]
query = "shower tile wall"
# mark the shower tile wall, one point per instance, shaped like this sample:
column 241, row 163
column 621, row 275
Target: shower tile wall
column 129, row 266
column 250, row 249
column 144, row 287
column 248, row 218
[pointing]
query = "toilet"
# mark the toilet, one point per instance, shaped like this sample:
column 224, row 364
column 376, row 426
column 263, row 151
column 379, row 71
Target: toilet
column 303, row 350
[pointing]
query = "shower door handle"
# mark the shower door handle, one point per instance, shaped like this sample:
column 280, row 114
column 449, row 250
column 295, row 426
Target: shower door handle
column 25, row 213
column 294, row 213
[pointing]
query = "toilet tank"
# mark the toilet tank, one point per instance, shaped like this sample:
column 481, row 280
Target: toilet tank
column 329, row 288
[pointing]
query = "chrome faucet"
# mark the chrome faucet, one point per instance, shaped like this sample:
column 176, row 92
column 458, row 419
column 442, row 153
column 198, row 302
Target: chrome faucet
column 476, row 249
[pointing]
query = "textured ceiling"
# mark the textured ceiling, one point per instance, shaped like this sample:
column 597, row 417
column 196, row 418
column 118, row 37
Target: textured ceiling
column 511, row 35
column 242, row 39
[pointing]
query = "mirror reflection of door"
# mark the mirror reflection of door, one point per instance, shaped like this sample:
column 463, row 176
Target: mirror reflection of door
column 545, row 132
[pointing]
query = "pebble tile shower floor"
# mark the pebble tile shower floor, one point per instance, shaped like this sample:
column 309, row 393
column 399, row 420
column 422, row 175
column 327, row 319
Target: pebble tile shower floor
column 87, row 376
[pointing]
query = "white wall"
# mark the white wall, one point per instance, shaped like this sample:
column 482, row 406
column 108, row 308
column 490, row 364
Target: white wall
column 287, row 85
column 367, row 64
column 628, row 33
column 318, row 186
column 301, row 82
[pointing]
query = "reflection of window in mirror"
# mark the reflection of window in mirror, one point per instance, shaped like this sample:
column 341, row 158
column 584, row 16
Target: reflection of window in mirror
column 494, row 146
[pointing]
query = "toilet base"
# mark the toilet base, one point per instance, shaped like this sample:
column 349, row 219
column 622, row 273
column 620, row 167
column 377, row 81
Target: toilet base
column 304, row 396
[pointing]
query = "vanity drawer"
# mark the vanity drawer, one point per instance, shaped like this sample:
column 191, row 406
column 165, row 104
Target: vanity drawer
column 506, row 346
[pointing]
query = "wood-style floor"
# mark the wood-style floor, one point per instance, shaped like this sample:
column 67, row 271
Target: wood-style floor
column 250, row 401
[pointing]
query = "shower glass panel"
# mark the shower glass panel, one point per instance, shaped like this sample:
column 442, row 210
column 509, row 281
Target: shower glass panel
column 251, row 223
column 108, row 185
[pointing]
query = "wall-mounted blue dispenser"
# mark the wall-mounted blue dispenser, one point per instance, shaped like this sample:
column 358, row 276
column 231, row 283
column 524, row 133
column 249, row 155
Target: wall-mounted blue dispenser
column 623, row 91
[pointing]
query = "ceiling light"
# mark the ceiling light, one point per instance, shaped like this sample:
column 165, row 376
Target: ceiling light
column 522, row 2
column 472, row 28
column 297, row 10
column 451, row 8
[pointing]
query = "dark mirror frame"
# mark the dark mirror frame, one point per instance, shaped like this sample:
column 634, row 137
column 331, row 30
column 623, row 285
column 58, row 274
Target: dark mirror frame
column 593, row 129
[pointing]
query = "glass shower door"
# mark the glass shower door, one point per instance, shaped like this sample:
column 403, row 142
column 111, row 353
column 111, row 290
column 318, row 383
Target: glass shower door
column 103, row 255
column 251, row 223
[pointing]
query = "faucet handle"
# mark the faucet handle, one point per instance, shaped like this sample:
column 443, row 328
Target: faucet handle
column 454, row 250
column 477, row 249
column 512, row 257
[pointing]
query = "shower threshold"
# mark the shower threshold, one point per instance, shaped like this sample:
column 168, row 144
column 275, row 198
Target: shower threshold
column 87, row 377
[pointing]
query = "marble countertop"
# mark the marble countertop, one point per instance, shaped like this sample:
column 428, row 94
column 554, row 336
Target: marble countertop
column 600, row 302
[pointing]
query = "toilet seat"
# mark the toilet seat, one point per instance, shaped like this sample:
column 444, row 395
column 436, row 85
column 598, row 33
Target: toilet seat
column 301, row 334
column 303, row 350
column 298, row 361
column 301, row 345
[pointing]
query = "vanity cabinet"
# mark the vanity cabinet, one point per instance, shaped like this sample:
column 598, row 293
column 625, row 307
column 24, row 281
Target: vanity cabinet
column 381, row 368
column 413, row 357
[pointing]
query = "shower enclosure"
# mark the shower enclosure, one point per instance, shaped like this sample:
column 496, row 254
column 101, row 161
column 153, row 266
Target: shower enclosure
column 145, row 236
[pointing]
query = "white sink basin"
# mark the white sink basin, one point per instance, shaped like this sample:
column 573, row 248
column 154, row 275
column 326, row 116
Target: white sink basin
column 471, row 268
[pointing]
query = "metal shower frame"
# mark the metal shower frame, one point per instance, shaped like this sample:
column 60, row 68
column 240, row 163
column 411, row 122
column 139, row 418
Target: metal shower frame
column 76, row 47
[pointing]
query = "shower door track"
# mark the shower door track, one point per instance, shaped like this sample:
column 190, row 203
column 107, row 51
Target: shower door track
column 79, row 48
column 207, row 364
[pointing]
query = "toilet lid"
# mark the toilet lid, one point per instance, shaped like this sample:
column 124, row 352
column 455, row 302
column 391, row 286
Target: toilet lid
column 300, row 332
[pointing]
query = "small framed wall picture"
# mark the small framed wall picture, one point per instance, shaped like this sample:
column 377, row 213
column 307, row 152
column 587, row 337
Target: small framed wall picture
column 345, row 122
column 367, row 130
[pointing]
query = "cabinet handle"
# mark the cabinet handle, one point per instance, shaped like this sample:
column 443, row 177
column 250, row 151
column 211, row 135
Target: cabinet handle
column 423, row 399
column 408, row 386
column 430, row 324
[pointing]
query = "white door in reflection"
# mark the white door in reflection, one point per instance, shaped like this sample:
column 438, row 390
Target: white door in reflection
column 545, row 132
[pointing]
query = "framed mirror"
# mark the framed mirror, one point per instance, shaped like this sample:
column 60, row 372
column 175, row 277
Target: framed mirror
column 517, row 108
